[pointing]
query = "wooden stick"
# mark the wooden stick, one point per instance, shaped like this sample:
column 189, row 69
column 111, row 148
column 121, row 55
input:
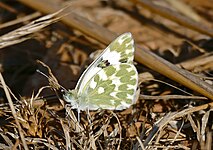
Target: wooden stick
column 180, row 19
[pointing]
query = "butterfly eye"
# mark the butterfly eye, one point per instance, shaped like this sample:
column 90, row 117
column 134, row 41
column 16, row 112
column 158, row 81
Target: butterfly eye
column 63, row 91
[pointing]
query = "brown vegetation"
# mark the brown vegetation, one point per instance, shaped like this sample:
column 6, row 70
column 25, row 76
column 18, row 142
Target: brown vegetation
column 173, row 58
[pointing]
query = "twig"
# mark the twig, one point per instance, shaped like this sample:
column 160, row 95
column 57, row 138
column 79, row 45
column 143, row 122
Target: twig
column 166, row 97
column 173, row 116
column 13, row 112
column 140, row 142
column 23, row 33
column 197, row 62
column 180, row 19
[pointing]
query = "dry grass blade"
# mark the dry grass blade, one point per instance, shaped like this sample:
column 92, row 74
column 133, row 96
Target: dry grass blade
column 8, row 141
column 169, row 117
column 185, row 9
column 182, row 20
column 116, row 130
column 53, row 82
column 13, row 112
column 23, row 19
column 209, row 141
column 167, row 97
column 205, row 119
column 43, row 141
column 167, row 113
column 66, row 133
column 195, row 63
column 140, row 142
column 23, row 33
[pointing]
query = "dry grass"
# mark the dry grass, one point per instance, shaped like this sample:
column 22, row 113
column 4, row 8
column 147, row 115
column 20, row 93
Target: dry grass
column 39, row 127
column 166, row 115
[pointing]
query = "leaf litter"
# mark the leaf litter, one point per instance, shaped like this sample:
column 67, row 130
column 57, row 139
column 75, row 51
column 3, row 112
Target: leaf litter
column 164, row 117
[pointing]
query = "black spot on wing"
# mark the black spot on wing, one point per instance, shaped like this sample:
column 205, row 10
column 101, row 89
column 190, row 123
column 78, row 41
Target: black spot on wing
column 123, row 60
column 103, row 64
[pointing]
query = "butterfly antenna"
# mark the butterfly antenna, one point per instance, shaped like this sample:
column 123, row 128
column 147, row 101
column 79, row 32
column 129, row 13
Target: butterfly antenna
column 37, row 70
column 42, row 73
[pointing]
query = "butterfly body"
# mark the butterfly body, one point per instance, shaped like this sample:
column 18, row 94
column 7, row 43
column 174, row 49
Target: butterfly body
column 110, row 81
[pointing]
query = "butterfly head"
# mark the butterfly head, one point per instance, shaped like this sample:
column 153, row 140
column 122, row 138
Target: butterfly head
column 71, row 97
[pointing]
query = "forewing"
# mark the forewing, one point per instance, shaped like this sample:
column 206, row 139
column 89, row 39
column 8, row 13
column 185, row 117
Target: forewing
column 121, row 50
column 113, row 87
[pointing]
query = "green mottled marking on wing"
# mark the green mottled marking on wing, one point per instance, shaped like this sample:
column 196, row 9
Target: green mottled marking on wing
column 121, row 50
column 110, row 71
column 124, row 46
column 119, row 87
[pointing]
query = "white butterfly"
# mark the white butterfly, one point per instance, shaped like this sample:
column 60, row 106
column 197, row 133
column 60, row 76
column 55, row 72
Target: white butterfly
column 110, row 81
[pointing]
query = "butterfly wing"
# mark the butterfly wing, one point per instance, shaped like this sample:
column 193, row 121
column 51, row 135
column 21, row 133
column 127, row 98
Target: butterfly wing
column 113, row 87
column 121, row 50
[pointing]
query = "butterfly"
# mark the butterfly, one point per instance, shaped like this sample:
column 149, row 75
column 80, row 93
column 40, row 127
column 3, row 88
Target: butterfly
column 110, row 81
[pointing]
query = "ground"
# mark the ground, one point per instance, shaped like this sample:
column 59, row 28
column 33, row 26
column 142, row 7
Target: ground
column 174, row 106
